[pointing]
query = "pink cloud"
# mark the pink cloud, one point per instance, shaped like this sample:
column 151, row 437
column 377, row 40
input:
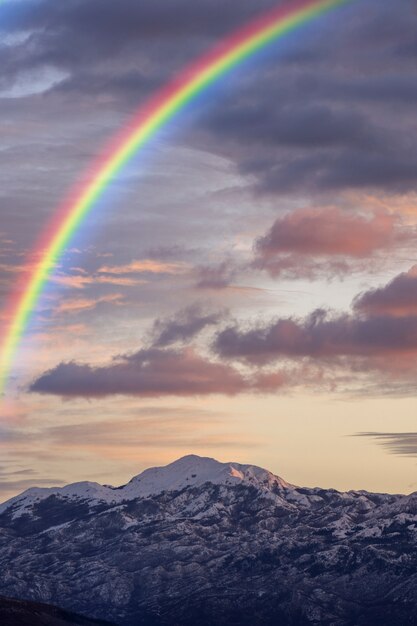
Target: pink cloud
column 144, row 266
column 147, row 373
column 309, row 241
column 153, row 373
column 81, row 281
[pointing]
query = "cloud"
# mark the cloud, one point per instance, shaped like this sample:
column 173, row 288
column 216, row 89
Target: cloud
column 81, row 281
column 215, row 277
column 388, row 167
column 22, row 440
column 326, row 337
column 156, row 372
column 125, row 275
column 377, row 338
column 127, row 19
column 188, row 430
column 398, row 298
column 304, row 125
column 9, row 435
column 77, row 305
column 185, row 325
column 147, row 373
column 145, row 266
column 326, row 240
column 329, row 232
column 7, row 486
column 116, row 53
column 321, row 119
column 315, row 115
column 402, row 444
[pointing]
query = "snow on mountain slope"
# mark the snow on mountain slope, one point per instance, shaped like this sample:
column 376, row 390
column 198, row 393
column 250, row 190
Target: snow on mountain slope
column 188, row 471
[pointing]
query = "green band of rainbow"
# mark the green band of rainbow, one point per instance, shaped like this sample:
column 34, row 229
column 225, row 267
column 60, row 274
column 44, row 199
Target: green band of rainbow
column 150, row 119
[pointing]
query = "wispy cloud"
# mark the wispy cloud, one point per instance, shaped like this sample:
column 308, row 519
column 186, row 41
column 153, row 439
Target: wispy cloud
column 77, row 305
column 162, row 431
column 402, row 444
column 145, row 266
column 81, row 281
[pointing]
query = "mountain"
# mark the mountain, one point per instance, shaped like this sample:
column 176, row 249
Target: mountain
column 21, row 613
column 209, row 543
column 190, row 471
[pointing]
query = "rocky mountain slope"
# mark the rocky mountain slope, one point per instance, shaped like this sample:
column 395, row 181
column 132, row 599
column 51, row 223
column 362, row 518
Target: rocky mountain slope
column 21, row 613
column 208, row 543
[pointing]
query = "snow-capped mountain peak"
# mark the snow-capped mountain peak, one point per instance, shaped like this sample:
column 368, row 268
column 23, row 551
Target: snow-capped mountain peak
column 193, row 470
column 188, row 471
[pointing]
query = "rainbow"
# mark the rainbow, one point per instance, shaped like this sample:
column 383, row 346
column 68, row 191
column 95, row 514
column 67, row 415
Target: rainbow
column 152, row 117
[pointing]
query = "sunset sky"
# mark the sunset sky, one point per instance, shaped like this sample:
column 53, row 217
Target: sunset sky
column 247, row 288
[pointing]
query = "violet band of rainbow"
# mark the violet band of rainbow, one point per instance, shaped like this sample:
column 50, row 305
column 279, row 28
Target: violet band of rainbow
column 151, row 118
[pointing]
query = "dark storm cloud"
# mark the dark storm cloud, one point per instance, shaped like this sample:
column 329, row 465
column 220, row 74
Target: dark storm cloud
column 385, row 89
column 85, row 37
column 185, row 325
column 315, row 116
column 306, row 156
column 397, row 298
column 394, row 170
column 128, row 19
column 301, row 125
column 402, row 444
column 341, row 120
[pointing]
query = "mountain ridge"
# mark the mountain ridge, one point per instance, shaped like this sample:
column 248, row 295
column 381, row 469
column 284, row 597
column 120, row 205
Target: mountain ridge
column 189, row 470
column 233, row 544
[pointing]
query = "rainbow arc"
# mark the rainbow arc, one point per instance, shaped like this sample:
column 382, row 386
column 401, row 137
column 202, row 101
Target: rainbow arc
column 152, row 117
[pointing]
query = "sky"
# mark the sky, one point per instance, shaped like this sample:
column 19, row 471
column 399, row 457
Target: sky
column 247, row 288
